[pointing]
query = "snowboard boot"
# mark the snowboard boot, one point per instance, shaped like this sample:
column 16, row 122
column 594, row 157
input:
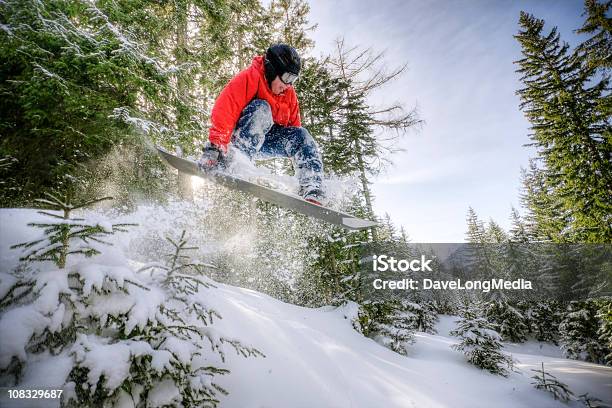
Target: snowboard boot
column 313, row 195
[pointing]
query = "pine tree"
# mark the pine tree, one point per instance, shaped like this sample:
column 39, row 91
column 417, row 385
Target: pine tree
column 480, row 343
column 320, row 100
column 599, row 46
column 395, row 330
column 66, row 66
column 334, row 275
column 545, row 216
column 191, row 37
column 130, row 335
column 495, row 234
column 404, row 238
column 251, row 31
column 476, row 233
column 360, row 149
column 548, row 382
column 501, row 256
column 578, row 332
column 69, row 235
column 291, row 23
column 425, row 315
column 479, row 251
column 605, row 328
column 518, row 232
column 566, row 105
column 507, row 320
column 545, row 320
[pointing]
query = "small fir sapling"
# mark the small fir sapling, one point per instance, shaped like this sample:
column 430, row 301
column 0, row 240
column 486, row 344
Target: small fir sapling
column 590, row 402
column 67, row 235
column 548, row 382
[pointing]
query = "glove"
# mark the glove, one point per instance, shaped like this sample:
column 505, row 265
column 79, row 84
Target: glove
column 212, row 157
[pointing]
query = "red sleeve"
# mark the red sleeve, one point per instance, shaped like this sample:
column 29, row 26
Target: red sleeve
column 294, row 118
column 228, row 106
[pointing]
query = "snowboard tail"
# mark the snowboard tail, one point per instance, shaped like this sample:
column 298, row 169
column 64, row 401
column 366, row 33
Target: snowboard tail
column 267, row 194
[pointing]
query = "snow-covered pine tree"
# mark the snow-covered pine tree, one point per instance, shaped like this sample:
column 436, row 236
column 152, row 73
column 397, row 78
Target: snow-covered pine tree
column 605, row 327
column 545, row 318
column 524, row 307
column 424, row 312
column 507, row 320
column 122, row 336
column 394, row 328
column 66, row 235
column 519, row 231
column 55, row 117
column 548, row 382
column 578, row 332
column 333, row 276
column 480, row 343
column 429, row 317
column 495, row 233
column 478, row 252
column 6, row 162
column 446, row 303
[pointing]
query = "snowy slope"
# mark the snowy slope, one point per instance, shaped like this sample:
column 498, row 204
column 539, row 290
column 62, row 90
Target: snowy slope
column 314, row 357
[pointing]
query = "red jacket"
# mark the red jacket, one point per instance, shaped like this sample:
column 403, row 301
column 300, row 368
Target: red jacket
column 242, row 89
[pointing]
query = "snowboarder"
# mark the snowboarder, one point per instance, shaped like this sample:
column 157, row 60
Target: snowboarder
column 258, row 113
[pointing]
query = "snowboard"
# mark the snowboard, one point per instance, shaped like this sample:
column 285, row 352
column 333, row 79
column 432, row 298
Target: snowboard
column 282, row 199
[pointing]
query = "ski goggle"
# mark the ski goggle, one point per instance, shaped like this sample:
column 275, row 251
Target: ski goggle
column 288, row 78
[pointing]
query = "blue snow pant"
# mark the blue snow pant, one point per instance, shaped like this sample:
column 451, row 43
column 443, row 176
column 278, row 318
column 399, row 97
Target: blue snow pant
column 258, row 136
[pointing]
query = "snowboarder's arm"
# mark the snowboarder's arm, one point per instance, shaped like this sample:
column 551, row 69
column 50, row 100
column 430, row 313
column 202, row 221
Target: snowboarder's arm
column 228, row 106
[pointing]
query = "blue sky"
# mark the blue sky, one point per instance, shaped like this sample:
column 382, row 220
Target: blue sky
column 461, row 77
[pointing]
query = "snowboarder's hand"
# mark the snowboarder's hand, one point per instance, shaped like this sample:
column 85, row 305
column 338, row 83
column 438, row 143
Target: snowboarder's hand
column 212, row 157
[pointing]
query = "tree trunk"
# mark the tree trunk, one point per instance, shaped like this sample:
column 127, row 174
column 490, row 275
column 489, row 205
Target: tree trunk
column 366, row 190
column 185, row 189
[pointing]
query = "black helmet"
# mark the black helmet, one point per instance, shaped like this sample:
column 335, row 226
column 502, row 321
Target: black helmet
column 282, row 59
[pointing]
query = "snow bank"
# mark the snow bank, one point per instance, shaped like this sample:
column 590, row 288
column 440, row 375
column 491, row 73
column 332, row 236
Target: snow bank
column 316, row 359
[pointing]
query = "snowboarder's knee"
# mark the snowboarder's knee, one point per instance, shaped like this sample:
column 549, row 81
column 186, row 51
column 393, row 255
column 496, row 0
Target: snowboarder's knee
column 261, row 106
column 255, row 122
column 304, row 138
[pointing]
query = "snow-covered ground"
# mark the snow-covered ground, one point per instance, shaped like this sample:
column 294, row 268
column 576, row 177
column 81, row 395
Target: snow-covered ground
column 314, row 357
